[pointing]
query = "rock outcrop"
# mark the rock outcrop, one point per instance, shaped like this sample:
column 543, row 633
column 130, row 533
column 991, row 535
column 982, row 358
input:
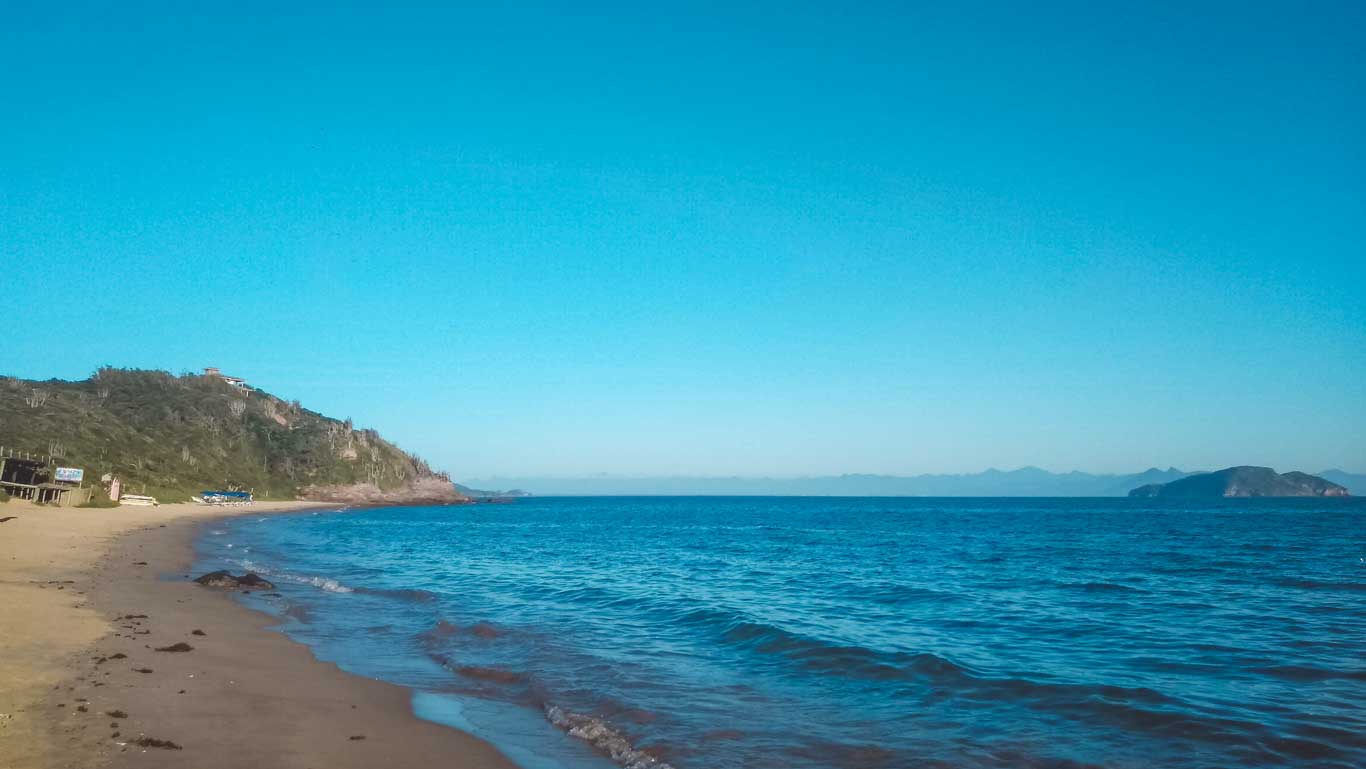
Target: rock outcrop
column 225, row 579
column 431, row 490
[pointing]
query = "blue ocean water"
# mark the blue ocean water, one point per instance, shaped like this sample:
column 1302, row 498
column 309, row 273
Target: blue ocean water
column 811, row 633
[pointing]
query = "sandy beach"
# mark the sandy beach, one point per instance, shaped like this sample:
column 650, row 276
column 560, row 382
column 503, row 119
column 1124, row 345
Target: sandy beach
column 85, row 607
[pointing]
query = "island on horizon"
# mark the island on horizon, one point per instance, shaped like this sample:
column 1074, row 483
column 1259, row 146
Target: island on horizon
column 1244, row 481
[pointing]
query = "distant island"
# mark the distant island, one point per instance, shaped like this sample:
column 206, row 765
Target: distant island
column 485, row 495
column 1023, row 482
column 1244, row 481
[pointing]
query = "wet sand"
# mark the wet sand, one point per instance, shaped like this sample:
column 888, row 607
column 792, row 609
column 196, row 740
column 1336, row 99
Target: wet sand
column 75, row 585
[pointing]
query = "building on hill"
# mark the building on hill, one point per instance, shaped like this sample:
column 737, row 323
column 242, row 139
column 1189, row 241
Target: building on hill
column 240, row 384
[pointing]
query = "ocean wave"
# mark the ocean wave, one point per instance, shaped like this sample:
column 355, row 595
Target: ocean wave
column 821, row 656
column 1313, row 584
column 604, row 737
column 1099, row 587
column 481, row 673
column 326, row 584
column 411, row 595
column 434, row 639
column 1305, row 673
column 1137, row 708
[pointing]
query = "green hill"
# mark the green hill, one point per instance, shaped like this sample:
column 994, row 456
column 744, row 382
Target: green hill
column 1245, row 481
column 178, row 435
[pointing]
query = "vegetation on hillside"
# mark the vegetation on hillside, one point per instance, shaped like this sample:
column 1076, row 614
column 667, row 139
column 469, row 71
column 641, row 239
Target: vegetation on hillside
column 1244, row 481
column 177, row 435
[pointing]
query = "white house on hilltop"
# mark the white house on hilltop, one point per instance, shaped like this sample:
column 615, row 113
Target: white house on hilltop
column 240, row 384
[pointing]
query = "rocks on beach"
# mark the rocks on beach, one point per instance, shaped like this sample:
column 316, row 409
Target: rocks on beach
column 152, row 742
column 225, row 579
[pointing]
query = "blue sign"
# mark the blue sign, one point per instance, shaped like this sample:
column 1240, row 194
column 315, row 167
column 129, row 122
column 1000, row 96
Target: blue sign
column 71, row 474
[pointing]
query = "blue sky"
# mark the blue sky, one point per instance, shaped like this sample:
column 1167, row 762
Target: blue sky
column 795, row 238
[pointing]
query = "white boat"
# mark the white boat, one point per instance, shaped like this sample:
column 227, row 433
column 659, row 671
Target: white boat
column 138, row 499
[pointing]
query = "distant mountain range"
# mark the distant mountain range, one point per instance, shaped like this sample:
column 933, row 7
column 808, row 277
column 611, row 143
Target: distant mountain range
column 1244, row 481
column 1025, row 482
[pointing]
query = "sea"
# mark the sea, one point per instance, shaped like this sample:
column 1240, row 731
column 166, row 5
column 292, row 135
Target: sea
column 843, row 633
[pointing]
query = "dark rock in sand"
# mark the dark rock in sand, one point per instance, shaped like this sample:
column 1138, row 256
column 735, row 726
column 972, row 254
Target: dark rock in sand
column 115, row 714
column 217, row 579
column 197, row 632
column 176, row 647
column 142, row 670
column 227, row 580
column 152, row 742
column 357, row 737
column 254, row 581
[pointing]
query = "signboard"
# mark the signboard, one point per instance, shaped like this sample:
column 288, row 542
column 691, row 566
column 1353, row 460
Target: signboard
column 70, row 474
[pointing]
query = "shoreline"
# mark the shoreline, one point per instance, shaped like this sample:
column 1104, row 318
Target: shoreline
column 73, row 582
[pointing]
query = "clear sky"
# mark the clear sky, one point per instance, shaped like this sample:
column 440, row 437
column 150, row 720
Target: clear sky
column 795, row 238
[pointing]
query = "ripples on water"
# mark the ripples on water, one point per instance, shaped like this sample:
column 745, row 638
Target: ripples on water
column 856, row 633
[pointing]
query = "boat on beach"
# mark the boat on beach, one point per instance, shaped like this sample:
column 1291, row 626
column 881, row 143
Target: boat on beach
column 223, row 498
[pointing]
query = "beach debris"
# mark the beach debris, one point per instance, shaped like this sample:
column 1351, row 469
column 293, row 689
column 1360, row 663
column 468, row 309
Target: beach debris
column 175, row 647
column 82, row 709
column 8, row 518
column 139, row 563
column 142, row 670
column 356, row 737
column 114, row 736
column 115, row 714
column 225, row 579
column 134, row 616
column 152, row 742
column 197, row 631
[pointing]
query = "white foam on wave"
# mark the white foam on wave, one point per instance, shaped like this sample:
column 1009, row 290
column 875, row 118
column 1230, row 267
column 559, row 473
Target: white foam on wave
column 323, row 583
column 602, row 736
